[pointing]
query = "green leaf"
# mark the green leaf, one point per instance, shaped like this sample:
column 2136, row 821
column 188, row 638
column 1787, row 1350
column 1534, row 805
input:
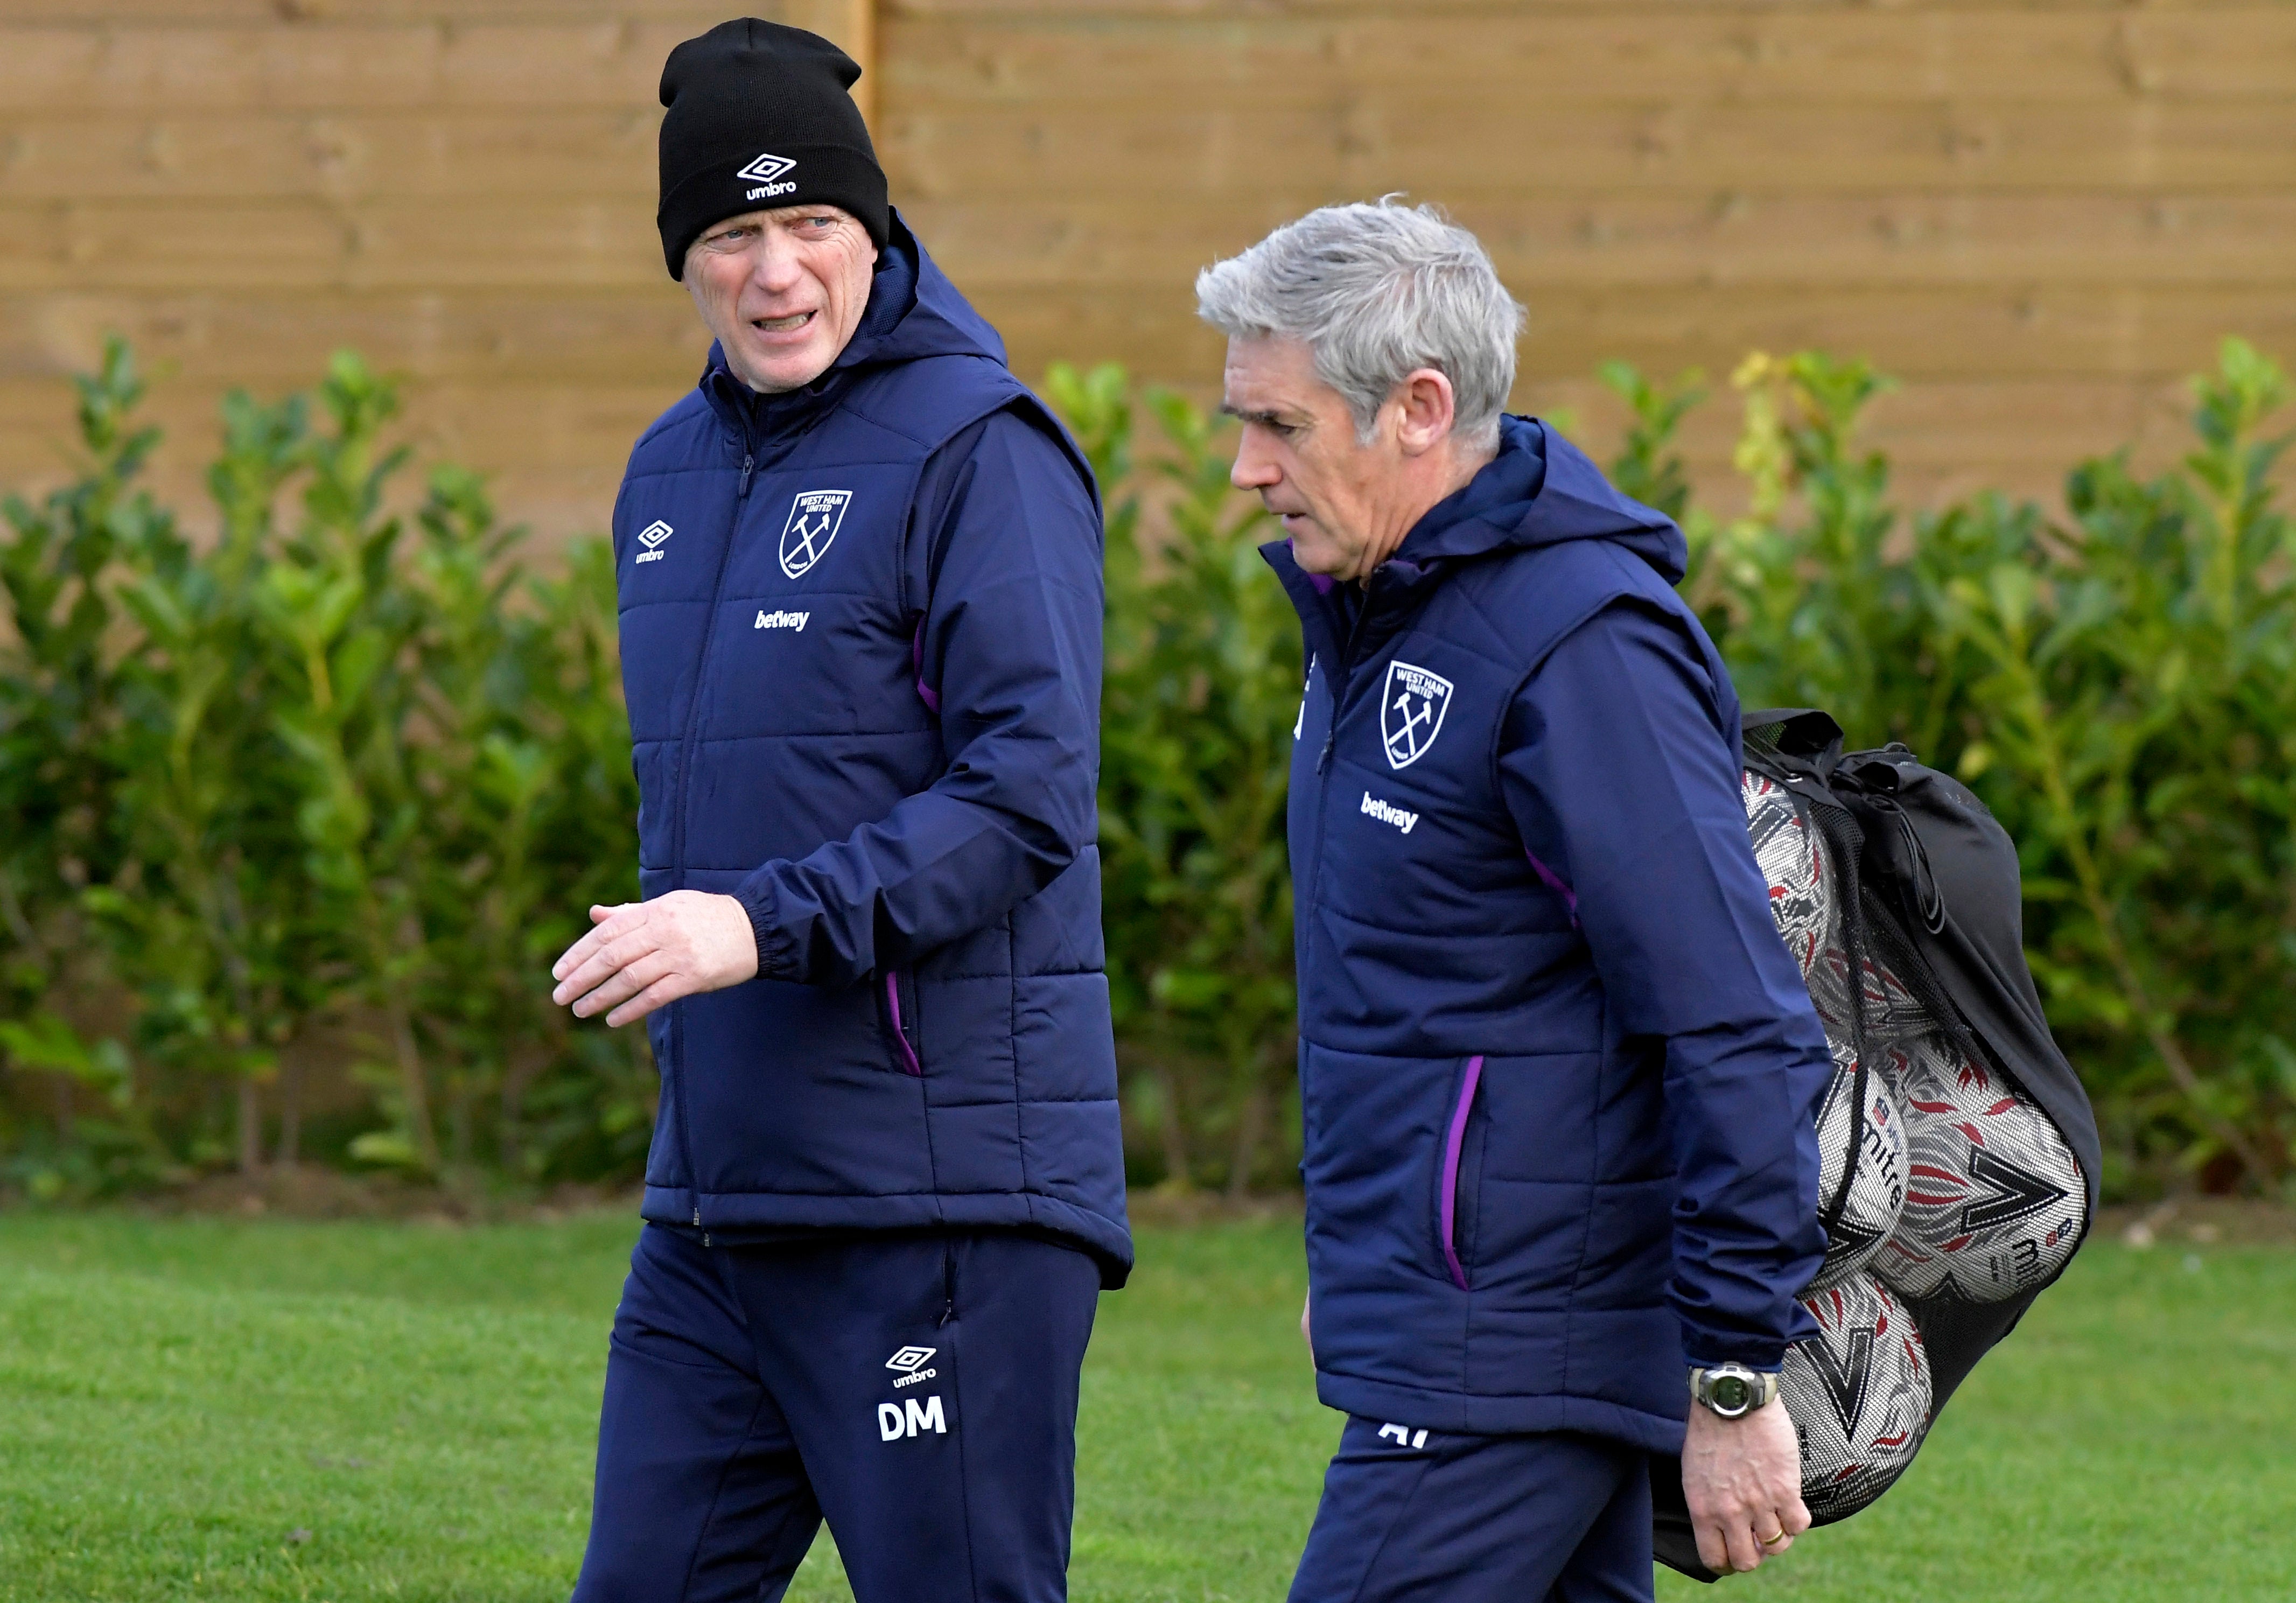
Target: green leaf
column 385, row 1149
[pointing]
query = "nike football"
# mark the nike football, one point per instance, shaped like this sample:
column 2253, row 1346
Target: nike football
column 1994, row 1204
column 1876, row 1134
column 1858, row 1393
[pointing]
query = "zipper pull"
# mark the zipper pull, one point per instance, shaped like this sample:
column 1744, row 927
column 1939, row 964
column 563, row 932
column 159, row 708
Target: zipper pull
column 1324, row 758
column 697, row 1216
column 749, row 461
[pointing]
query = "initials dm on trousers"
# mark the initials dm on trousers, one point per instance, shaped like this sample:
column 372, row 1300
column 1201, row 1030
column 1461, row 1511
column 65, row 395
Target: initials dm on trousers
column 918, row 1392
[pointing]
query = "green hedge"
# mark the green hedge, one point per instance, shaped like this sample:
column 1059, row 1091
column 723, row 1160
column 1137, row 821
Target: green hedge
column 296, row 814
column 334, row 785
column 2118, row 683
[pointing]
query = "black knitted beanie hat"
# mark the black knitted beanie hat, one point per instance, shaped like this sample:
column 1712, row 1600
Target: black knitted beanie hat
column 759, row 116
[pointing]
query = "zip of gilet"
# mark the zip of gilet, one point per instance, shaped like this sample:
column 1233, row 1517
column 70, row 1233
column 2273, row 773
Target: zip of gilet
column 685, row 772
column 1339, row 689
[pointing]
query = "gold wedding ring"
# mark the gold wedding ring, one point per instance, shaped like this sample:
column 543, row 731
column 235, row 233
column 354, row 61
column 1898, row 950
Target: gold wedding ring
column 1769, row 1542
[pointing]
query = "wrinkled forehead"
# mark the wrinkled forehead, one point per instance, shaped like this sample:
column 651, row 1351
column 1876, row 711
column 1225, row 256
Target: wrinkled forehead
column 1270, row 377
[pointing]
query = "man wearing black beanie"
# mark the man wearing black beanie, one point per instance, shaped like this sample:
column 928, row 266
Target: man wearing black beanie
column 860, row 598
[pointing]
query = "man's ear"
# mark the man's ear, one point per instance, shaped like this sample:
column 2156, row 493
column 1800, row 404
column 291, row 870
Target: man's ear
column 1425, row 410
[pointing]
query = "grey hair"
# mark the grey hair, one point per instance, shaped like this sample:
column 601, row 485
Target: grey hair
column 1376, row 292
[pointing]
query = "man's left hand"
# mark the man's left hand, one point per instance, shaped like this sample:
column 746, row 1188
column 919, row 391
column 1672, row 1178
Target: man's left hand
column 644, row 955
column 1743, row 1481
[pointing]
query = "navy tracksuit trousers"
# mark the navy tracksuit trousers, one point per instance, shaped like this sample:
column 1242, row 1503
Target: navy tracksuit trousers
column 1412, row 1516
column 919, row 1391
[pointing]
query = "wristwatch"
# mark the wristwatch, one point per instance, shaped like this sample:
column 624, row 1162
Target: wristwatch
column 1733, row 1391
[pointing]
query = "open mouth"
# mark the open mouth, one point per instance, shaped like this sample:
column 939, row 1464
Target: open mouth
column 782, row 326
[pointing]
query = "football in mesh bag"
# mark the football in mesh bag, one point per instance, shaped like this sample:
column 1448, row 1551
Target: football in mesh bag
column 1876, row 1198
column 1792, row 860
column 1994, row 1204
column 1891, row 1009
column 1804, row 892
column 1858, row 1393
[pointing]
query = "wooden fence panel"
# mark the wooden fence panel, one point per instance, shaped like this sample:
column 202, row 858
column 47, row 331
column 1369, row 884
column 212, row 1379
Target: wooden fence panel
column 2038, row 213
column 462, row 189
column 1613, row 53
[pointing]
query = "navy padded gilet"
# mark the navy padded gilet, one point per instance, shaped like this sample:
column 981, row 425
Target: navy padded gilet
column 1490, row 1175
column 771, row 640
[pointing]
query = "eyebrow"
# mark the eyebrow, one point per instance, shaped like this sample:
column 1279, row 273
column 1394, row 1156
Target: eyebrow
column 1268, row 419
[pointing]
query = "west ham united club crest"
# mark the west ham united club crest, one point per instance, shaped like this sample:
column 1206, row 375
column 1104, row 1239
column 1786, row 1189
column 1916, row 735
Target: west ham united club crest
column 1411, row 712
column 812, row 524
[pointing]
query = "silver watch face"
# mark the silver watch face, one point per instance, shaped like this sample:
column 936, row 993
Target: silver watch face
column 1729, row 1394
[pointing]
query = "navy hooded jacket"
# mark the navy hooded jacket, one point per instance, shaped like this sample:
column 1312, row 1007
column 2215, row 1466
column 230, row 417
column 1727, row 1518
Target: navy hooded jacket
column 1558, row 1072
column 861, row 645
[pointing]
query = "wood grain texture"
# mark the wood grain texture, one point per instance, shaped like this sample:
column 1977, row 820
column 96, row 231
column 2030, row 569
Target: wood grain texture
column 329, row 13
column 1920, row 335
column 2037, row 213
column 585, row 56
column 464, row 192
column 1614, row 54
column 203, row 156
column 1717, row 237
column 551, row 242
column 273, row 341
column 1167, row 154
column 1260, row 10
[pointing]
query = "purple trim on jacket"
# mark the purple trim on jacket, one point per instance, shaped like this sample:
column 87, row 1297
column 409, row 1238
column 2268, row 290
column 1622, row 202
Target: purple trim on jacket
column 900, row 1036
column 1452, row 1143
column 925, row 693
column 1321, row 581
column 1553, row 882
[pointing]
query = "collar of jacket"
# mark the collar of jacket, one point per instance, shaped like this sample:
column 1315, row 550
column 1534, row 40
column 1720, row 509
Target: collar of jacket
column 1465, row 524
column 1539, row 490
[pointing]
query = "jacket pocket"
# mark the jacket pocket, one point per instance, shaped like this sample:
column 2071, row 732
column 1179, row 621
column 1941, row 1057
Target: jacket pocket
column 1448, row 1184
column 896, row 1014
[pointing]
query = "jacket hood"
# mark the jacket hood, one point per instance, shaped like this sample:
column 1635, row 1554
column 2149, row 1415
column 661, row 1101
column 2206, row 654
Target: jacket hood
column 914, row 311
column 1541, row 490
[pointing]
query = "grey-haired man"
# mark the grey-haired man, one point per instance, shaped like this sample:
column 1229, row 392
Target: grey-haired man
column 1557, row 1070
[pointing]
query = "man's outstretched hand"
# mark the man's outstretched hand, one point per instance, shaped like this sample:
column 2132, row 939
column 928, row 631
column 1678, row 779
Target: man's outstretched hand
column 1744, row 1480
column 645, row 954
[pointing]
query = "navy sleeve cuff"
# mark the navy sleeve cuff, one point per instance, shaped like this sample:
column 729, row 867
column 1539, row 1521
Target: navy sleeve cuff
column 776, row 946
column 1761, row 1356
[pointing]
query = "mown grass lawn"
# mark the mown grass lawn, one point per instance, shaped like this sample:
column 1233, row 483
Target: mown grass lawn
column 264, row 1410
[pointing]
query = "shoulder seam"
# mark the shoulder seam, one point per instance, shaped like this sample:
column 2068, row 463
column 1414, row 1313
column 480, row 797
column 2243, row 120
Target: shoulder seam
column 1532, row 662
